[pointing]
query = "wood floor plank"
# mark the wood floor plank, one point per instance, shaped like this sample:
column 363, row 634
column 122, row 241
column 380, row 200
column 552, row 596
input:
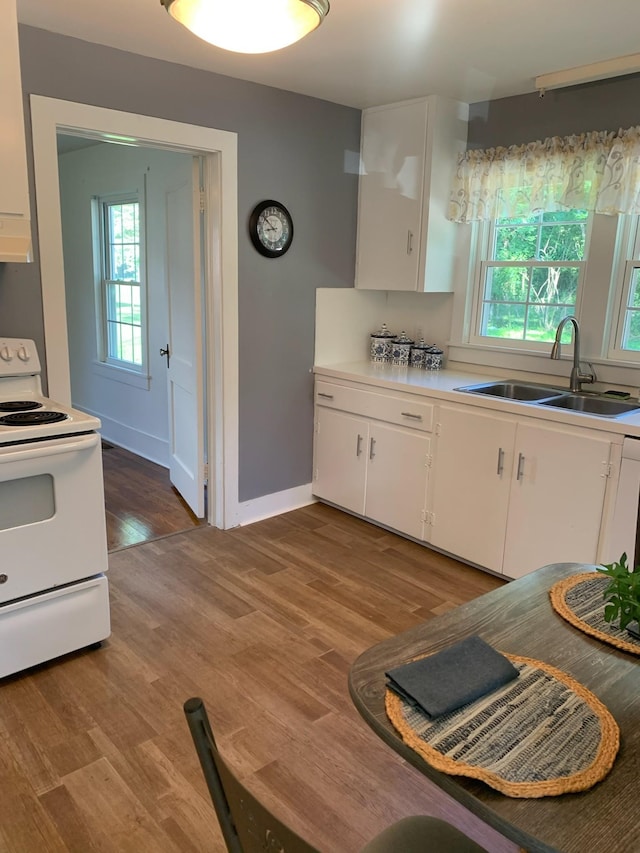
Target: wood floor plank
column 113, row 812
column 263, row 622
column 140, row 502
column 24, row 823
column 69, row 821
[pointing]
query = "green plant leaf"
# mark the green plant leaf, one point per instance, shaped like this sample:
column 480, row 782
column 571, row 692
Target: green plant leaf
column 622, row 593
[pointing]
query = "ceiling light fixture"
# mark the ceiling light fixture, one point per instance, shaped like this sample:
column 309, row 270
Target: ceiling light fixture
column 249, row 26
column 617, row 67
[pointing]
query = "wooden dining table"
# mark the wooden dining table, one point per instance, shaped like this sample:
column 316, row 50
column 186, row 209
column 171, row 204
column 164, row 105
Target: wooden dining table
column 518, row 619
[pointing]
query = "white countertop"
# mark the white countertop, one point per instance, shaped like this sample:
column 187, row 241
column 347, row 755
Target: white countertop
column 442, row 384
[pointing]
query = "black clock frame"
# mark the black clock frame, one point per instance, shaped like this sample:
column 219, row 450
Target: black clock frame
column 253, row 229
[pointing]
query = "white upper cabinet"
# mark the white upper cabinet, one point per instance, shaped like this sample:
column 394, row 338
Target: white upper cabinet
column 15, row 227
column 408, row 156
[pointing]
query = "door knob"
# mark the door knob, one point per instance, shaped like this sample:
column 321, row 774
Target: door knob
column 166, row 352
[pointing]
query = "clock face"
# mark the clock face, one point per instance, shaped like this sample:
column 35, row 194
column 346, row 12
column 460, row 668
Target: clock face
column 271, row 228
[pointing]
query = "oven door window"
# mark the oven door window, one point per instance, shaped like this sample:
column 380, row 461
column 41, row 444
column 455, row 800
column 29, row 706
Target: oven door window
column 26, row 501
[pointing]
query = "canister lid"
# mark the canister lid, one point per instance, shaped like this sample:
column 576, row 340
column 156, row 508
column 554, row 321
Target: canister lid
column 422, row 344
column 383, row 332
column 403, row 338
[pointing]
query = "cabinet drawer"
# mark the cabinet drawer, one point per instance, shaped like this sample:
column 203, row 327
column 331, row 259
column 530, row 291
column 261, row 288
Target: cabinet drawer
column 405, row 410
column 341, row 397
column 409, row 412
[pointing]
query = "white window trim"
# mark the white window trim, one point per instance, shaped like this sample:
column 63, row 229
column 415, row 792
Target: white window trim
column 628, row 250
column 596, row 311
column 130, row 374
column 121, row 374
column 485, row 231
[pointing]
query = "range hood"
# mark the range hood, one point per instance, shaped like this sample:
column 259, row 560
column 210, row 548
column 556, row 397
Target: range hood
column 15, row 240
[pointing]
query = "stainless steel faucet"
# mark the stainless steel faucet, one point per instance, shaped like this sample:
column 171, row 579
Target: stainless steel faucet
column 577, row 378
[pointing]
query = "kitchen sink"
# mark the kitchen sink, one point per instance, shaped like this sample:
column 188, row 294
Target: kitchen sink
column 525, row 391
column 592, row 405
column 546, row 395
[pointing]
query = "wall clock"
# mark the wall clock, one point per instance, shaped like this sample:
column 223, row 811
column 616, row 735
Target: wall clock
column 271, row 228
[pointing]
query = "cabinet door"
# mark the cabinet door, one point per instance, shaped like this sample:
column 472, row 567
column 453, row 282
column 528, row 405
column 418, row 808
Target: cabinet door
column 14, row 194
column 340, row 458
column 557, row 498
column 471, row 479
column 390, row 196
column 398, row 461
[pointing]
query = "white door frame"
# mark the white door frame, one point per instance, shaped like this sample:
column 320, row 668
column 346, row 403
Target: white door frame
column 50, row 115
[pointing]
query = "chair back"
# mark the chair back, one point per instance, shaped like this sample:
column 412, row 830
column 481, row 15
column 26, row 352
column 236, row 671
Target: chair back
column 247, row 826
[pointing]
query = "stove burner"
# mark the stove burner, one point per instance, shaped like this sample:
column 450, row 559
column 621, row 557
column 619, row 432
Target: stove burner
column 32, row 418
column 19, row 405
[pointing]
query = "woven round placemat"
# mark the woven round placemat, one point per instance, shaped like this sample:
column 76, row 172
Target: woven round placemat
column 541, row 735
column 579, row 600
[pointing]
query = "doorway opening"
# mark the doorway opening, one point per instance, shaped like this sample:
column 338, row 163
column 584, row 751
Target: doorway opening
column 134, row 290
column 220, row 315
column 134, row 279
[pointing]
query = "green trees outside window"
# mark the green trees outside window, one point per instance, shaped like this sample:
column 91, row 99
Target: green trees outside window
column 532, row 275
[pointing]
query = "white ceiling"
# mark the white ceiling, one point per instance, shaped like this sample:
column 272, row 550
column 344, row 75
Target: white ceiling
column 370, row 52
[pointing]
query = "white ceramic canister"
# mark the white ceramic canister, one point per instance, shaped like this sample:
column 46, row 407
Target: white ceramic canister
column 381, row 344
column 400, row 349
column 418, row 354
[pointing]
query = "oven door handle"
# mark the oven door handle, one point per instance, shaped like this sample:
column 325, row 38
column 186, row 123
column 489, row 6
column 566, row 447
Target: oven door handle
column 49, row 447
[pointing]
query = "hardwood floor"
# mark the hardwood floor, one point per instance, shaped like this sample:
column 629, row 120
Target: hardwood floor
column 263, row 622
column 141, row 503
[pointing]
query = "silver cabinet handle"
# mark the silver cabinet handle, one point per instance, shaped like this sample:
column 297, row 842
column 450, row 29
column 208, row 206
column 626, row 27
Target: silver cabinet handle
column 409, row 242
column 500, row 462
column 359, row 445
column 371, row 446
column 326, row 396
column 520, row 473
column 410, row 415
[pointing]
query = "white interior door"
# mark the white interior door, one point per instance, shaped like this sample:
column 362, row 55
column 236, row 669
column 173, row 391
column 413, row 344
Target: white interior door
column 185, row 365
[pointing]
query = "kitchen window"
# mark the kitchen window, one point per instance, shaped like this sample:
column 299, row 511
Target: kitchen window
column 626, row 332
column 554, row 231
column 530, row 276
column 121, row 303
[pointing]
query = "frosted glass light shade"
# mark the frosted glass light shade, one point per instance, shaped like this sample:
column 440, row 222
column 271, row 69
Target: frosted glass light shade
column 249, row 26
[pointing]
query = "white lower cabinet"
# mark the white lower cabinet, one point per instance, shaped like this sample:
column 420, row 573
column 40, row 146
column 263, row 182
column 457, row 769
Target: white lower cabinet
column 513, row 495
column 397, row 469
column 378, row 470
column 340, row 462
column 557, row 498
column 471, row 481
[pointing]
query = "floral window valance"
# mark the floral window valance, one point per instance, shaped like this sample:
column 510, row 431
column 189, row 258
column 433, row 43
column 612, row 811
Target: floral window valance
column 597, row 171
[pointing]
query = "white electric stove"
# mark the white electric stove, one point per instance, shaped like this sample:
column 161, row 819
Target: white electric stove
column 54, row 595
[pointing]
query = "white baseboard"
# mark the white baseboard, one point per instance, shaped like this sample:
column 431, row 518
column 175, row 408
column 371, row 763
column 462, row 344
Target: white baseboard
column 141, row 443
column 275, row 504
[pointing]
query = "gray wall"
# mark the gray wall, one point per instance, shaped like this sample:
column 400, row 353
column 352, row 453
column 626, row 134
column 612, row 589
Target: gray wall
column 291, row 148
column 605, row 105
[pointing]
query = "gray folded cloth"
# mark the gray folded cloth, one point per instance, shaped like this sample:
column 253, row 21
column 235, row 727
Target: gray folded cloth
column 459, row 674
